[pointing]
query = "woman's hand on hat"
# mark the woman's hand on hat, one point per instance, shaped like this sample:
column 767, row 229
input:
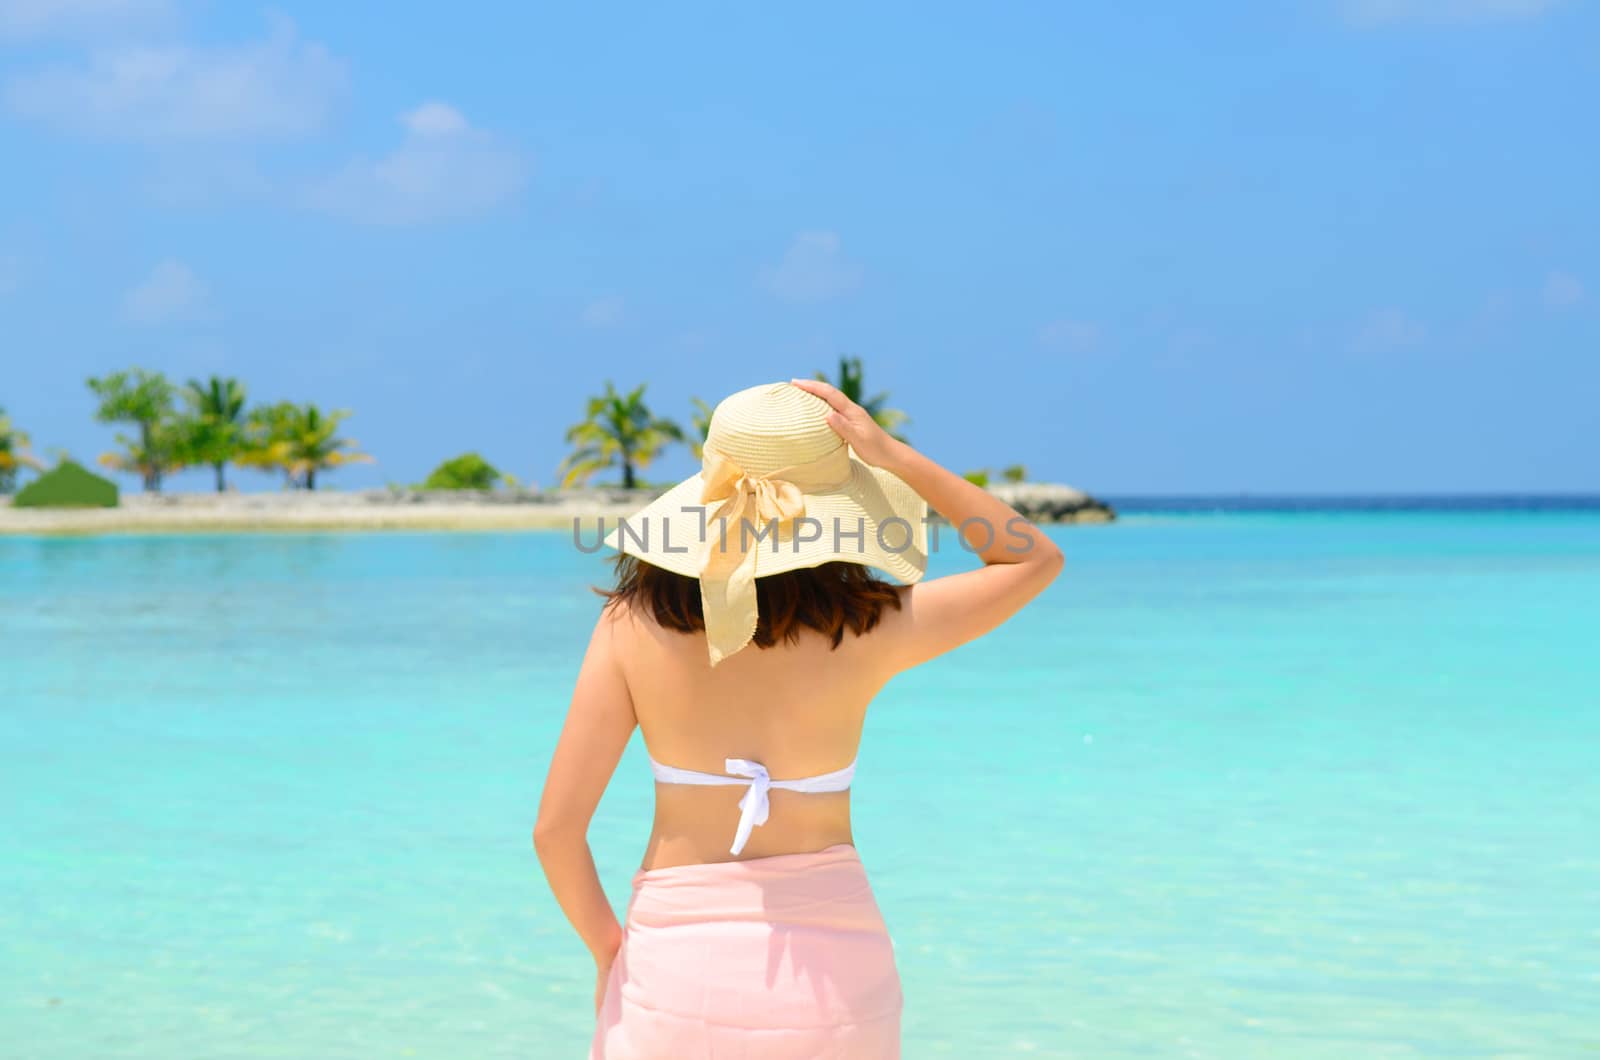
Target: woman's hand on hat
column 853, row 423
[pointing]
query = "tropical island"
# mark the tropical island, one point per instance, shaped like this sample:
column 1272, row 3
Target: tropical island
column 211, row 424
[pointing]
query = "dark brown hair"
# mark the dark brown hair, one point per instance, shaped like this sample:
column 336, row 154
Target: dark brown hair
column 829, row 599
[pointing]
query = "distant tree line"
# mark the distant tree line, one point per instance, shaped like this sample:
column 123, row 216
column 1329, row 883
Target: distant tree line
column 210, row 423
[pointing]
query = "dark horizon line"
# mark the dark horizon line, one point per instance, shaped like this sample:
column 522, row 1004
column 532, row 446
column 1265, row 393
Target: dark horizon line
column 1134, row 504
column 1353, row 495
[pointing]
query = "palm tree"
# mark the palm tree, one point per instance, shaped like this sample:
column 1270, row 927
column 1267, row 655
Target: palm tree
column 701, row 419
column 1015, row 473
column 14, row 453
column 155, row 454
column 214, row 428
column 145, row 399
column 299, row 440
column 617, row 429
column 265, row 445
column 850, row 384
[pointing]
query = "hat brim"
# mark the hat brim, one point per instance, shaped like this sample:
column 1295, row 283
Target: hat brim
column 873, row 518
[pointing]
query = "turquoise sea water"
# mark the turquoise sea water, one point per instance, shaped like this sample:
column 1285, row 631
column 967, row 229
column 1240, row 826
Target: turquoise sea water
column 1253, row 785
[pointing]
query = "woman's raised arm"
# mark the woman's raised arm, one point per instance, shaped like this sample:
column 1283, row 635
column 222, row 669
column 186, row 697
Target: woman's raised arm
column 942, row 613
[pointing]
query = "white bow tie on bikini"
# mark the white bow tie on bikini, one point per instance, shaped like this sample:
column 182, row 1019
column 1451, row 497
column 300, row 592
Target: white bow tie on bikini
column 754, row 805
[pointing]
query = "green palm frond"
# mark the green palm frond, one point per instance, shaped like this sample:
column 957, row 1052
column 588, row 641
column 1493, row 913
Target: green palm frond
column 144, row 399
column 701, row 420
column 618, row 430
column 298, row 441
column 213, row 424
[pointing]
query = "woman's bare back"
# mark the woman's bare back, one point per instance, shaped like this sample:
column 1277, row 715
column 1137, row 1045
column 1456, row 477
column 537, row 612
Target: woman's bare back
column 797, row 708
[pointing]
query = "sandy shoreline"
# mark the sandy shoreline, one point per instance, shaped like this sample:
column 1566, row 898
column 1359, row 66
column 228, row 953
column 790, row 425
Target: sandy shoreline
column 352, row 511
column 363, row 510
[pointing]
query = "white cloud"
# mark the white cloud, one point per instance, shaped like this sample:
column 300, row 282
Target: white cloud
column 1387, row 12
column 443, row 169
column 1562, row 290
column 813, row 269
column 33, row 18
column 604, row 312
column 1074, row 336
column 171, row 292
column 279, row 86
column 1386, row 331
column 435, row 119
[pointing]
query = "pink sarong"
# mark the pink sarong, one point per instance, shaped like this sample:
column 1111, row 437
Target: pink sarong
column 765, row 959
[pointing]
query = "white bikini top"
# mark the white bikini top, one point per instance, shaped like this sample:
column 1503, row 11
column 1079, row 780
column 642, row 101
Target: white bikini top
column 754, row 805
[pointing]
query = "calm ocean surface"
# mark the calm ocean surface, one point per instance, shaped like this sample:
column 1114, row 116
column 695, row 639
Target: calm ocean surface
column 1265, row 784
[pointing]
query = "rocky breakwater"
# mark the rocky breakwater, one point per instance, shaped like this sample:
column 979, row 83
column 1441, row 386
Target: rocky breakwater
column 1045, row 502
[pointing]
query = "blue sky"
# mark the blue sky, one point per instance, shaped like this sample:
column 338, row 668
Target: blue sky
column 1317, row 246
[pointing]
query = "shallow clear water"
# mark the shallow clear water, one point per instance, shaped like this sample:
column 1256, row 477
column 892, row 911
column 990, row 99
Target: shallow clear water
column 1278, row 785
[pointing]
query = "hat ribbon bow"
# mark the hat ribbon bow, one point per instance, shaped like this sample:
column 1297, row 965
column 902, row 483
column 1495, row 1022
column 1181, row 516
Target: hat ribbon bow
column 747, row 505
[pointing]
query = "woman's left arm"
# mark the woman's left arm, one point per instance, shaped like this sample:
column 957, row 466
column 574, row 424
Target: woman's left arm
column 598, row 726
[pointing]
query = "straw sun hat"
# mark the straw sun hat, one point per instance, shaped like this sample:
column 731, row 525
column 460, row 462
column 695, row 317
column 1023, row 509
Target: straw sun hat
column 778, row 490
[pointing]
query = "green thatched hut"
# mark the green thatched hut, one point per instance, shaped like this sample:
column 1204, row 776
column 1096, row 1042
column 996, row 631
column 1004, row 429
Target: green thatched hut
column 68, row 485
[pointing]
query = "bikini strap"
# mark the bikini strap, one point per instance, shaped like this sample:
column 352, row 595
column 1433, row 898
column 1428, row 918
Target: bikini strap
column 754, row 805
